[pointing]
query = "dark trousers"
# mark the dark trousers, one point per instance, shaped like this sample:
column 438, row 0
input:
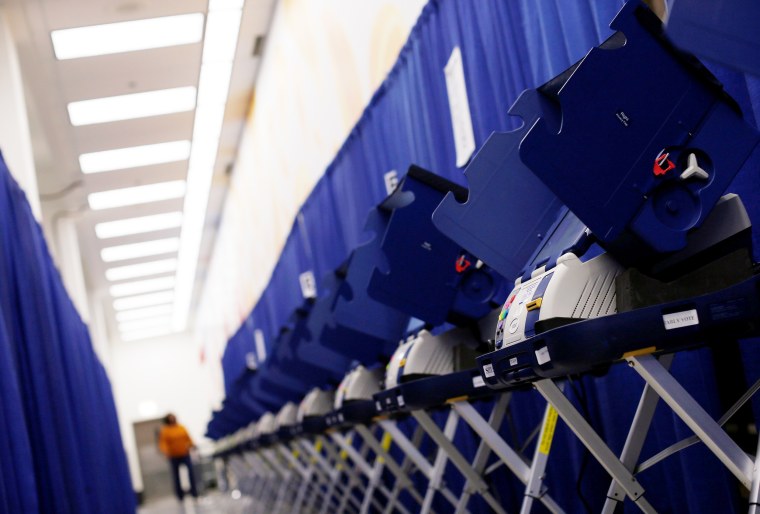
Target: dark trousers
column 176, row 462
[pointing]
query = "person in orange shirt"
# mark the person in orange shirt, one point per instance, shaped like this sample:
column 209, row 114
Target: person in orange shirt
column 175, row 443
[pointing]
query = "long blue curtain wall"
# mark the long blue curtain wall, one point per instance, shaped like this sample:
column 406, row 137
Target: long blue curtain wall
column 61, row 449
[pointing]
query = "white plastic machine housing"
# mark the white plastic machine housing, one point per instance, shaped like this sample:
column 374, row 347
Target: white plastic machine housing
column 396, row 362
column 426, row 354
column 575, row 289
column 266, row 425
column 359, row 384
column 317, row 402
column 287, row 416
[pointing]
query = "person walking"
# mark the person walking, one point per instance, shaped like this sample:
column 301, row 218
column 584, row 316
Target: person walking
column 175, row 443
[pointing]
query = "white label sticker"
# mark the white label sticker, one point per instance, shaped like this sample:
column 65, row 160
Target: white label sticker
column 459, row 107
column 391, row 181
column 308, row 284
column 261, row 345
column 250, row 361
column 400, row 400
column 513, row 361
column 488, row 370
column 378, row 407
column 478, row 381
column 542, row 355
column 680, row 319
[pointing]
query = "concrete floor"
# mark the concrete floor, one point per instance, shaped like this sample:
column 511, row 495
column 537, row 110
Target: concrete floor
column 212, row 503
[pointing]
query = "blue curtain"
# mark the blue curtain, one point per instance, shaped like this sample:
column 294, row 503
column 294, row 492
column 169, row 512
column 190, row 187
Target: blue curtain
column 508, row 46
column 62, row 449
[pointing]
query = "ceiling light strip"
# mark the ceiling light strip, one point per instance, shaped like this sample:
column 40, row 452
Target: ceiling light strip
column 141, row 270
column 132, row 106
column 222, row 29
column 141, row 225
column 127, row 36
column 145, row 300
column 134, row 157
column 137, row 195
column 144, row 312
column 141, row 286
column 142, row 249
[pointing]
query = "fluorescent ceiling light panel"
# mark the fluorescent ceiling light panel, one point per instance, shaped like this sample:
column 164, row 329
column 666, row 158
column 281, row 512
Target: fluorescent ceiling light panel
column 134, row 156
column 143, row 313
column 221, row 35
column 141, row 225
column 129, row 107
column 145, row 300
column 141, row 286
column 140, row 324
column 137, row 195
column 218, row 5
column 220, row 41
column 145, row 334
column 141, row 270
column 213, row 84
column 142, row 249
column 128, row 36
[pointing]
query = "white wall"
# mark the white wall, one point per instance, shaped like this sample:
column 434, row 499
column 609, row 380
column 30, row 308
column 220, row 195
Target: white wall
column 15, row 140
column 165, row 374
column 322, row 63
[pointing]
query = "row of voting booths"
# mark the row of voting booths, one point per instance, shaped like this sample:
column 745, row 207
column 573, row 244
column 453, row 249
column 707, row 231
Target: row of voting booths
column 566, row 327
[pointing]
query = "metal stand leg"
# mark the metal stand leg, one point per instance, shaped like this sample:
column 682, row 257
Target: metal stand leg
column 352, row 475
column 634, row 442
column 754, row 492
column 361, row 463
column 406, row 466
column 477, row 483
column 695, row 417
column 594, row 443
column 393, row 467
column 535, row 487
column 421, row 463
column 331, row 472
column 484, row 449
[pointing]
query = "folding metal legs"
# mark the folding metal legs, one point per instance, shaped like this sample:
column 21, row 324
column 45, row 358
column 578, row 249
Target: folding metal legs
column 532, row 476
column 695, row 417
column 344, row 495
column 365, row 468
column 444, row 441
column 596, row 446
column 754, row 492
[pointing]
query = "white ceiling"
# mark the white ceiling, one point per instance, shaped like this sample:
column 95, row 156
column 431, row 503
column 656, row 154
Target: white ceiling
column 51, row 84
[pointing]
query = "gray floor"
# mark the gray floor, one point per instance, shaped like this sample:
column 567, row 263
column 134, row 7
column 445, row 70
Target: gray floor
column 213, row 503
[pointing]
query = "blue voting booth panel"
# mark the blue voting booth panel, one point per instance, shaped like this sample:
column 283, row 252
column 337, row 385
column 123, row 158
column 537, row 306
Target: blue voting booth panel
column 422, row 272
column 648, row 140
column 328, row 345
column 508, row 210
column 724, row 31
column 287, row 368
column 355, row 311
column 345, row 319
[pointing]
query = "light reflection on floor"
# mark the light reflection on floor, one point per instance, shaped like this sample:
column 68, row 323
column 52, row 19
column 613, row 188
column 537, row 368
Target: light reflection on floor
column 213, row 503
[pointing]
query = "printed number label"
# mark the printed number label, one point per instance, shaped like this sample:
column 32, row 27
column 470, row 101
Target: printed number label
column 488, row 370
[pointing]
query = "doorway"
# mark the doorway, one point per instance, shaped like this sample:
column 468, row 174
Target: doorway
column 157, row 481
